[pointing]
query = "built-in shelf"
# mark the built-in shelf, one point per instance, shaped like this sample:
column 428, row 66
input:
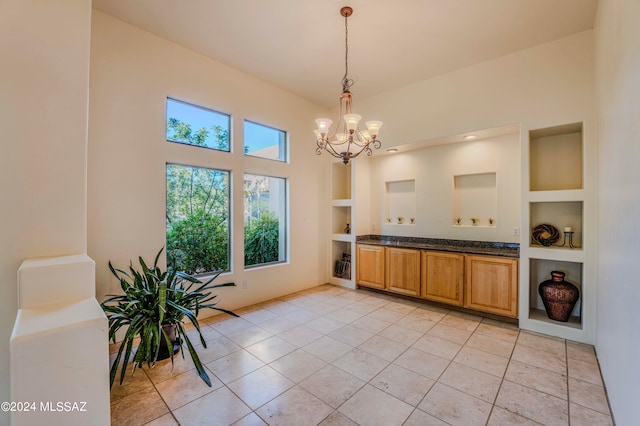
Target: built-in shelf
column 343, row 237
column 556, row 158
column 342, row 203
column 540, row 315
column 559, row 214
column 341, row 181
column 474, row 226
column 540, row 271
column 340, row 217
column 340, row 250
column 342, row 243
column 555, row 192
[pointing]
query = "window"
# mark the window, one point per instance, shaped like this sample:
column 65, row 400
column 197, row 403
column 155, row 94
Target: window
column 197, row 219
column 193, row 125
column 265, row 221
column 264, row 142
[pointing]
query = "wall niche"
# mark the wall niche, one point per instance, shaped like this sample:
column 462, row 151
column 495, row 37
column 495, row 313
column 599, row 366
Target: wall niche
column 400, row 202
column 475, row 196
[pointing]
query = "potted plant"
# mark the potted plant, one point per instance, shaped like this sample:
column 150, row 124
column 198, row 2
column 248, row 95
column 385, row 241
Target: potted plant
column 153, row 307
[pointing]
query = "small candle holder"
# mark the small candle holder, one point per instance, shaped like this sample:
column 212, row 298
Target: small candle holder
column 568, row 238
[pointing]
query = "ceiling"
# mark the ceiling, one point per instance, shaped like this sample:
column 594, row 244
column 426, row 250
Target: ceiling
column 298, row 45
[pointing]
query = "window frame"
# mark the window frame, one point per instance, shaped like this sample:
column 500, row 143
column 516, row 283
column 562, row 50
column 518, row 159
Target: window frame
column 285, row 142
column 286, row 243
column 229, row 129
column 230, row 221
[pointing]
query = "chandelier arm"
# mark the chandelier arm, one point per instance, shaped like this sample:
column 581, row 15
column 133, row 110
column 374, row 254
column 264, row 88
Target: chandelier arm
column 331, row 150
column 357, row 143
column 337, row 128
column 366, row 149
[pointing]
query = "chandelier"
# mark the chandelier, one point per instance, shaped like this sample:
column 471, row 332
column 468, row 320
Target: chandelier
column 346, row 141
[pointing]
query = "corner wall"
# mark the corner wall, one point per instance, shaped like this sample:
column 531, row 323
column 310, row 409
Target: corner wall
column 132, row 73
column 617, row 42
column 44, row 54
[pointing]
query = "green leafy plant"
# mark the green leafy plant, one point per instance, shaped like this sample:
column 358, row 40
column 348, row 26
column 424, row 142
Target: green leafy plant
column 198, row 244
column 152, row 299
column 261, row 240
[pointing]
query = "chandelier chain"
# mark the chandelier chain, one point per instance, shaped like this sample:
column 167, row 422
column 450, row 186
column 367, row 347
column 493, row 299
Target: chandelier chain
column 346, row 81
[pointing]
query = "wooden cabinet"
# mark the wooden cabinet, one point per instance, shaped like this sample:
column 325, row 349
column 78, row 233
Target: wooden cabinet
column 403, row 270
column 443, row 277
column 370, row 266
column 482, row 283
column 492, row 285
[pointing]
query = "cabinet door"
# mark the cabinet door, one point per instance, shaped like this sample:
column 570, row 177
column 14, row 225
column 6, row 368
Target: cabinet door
column 443, row 277
column 370, row 266
column 492, row 285
column 403, row 271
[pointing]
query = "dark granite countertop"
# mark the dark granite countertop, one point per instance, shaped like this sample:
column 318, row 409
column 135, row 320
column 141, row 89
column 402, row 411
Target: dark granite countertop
column 490, row 248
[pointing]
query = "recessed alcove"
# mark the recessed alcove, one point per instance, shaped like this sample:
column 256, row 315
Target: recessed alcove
column 555, row 158
column 340, row 251
column 341, row 217
column 540, row 271
column 560, row 214
column 341, row 185
column 400, row 205
column 475, row 196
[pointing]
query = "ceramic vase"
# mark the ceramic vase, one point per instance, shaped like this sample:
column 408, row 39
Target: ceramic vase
column 559, row 296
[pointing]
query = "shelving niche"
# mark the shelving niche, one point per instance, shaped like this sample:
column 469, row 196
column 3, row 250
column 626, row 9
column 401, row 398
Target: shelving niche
column 539, row 271
column 560, row 214
column 341, row 213
column 400, row 201
column 340, row 217
column 557, row 192
column 338, row 250
column 555, row 158
column 475, row 195
column 341, row 181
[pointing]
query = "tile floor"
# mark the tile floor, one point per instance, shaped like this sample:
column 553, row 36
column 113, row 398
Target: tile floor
column 330, row 356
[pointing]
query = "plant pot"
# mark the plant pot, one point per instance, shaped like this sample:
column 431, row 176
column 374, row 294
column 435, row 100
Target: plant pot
column 559, row 296
column 170, row 329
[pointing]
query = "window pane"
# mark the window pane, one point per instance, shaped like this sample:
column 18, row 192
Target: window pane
column 197, row 219
column 265, row 142
column 265, row 220
column 197, row 126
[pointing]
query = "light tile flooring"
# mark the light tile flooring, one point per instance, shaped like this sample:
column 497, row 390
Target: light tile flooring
column 331, row 356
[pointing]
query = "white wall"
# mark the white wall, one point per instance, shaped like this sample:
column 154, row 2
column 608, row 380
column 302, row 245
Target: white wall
column 538, row 87
column 433, row 170
column 132, row 73
column 44, row 57
column 617, row 44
